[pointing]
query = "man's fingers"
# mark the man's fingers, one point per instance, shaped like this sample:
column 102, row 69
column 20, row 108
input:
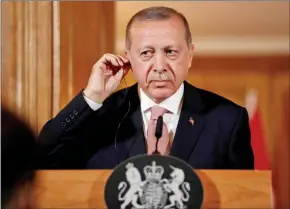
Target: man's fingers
column 119, row 59
column 112, row 64
column 115, row 60
column 124, row 59
column 109, row 59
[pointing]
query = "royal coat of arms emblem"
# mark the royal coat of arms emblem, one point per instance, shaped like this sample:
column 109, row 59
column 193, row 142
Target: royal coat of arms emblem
column 154, row 192
column 153, row 182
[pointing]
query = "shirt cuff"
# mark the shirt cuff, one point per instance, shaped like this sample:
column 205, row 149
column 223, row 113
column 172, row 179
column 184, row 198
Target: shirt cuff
column 93, row 105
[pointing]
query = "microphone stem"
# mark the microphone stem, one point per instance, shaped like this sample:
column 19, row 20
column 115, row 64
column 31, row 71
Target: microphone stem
column 156, row 147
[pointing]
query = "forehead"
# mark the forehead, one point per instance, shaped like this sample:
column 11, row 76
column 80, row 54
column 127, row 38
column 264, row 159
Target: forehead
column 160, row 31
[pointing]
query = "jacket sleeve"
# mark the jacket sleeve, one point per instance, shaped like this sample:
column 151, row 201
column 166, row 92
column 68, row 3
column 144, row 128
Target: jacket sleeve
column 241, row 153
column 64, row 139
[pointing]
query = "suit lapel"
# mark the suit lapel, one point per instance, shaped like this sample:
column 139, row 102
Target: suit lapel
column 131, row 131
column 190, row 124
column 135, row 144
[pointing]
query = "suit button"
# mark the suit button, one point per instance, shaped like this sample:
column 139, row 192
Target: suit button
column 63, row 124
column 71, row 116
column 75, row 112
column 67, row 120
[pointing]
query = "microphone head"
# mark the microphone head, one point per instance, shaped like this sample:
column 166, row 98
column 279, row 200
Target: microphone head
column 159, row 126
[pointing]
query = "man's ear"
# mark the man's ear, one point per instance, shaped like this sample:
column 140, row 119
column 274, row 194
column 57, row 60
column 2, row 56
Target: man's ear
column 191, row 49
column 128, row 55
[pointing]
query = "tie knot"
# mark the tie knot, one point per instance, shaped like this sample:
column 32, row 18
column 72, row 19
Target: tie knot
column 157, row 111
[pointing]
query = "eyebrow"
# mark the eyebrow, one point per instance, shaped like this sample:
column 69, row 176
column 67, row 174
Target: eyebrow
column 146, row 46
column 166, row 47
column 170, row 46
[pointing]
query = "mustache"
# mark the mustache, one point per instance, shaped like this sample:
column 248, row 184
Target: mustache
column 159, row 77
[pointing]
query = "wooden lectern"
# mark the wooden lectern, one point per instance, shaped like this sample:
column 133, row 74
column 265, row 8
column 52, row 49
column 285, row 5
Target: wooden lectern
column 85, row 189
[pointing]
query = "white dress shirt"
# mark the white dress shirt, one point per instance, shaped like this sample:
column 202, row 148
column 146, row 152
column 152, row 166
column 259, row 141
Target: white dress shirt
column 172, row 104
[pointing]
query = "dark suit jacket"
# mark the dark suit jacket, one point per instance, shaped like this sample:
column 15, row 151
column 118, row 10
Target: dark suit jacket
column 79, row 137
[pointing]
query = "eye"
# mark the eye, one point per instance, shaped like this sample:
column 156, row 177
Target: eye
column 146, row 54
column 171, row 53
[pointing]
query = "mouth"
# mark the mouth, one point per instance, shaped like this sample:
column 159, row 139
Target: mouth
column 159, row 84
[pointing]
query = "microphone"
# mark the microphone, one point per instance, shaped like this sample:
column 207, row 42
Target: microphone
column 158, row 133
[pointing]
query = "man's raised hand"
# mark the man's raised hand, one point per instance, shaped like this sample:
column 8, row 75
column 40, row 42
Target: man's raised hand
column 106, row 77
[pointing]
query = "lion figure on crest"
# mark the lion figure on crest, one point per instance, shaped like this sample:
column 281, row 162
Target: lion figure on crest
column 134, row 179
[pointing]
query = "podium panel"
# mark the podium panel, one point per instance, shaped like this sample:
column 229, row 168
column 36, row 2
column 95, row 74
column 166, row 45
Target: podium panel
column 85, row 188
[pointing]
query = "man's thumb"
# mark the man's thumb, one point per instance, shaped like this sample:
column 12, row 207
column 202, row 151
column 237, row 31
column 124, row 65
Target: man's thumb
column 119, row 75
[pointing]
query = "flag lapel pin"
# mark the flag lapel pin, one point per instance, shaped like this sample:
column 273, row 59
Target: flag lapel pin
column 191, row 121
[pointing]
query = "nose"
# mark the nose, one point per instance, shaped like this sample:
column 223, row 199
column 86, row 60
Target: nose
column 159, row 63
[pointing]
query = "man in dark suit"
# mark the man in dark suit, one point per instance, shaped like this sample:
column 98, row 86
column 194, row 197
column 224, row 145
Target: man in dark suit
column 100, row 129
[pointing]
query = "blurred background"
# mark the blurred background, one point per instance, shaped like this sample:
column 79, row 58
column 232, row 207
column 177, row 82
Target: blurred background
column 241, row 52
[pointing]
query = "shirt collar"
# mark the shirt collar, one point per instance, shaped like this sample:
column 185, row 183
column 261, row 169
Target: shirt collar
column 171, row 103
